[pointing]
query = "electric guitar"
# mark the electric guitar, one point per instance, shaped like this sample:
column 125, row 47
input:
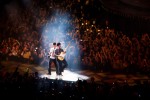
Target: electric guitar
column 62, row 55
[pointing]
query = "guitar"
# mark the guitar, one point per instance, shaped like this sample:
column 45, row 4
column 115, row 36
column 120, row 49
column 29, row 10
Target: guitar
column 62, row 55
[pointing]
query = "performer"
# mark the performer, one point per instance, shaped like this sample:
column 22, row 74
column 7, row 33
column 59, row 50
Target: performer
column 62, row 63
column 52, row 58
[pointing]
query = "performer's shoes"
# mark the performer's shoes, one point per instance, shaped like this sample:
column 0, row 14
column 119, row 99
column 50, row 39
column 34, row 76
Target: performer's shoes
column 60, row 74
column 49, row 73
column 57, row 76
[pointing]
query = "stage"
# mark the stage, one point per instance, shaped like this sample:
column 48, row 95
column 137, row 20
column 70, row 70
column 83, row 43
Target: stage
column 72, row 75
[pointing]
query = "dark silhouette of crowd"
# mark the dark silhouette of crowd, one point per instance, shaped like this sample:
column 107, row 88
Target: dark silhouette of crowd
column 17, row 86
column 101, row 48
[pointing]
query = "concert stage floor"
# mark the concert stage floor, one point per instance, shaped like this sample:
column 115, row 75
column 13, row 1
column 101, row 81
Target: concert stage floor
column 69, row 75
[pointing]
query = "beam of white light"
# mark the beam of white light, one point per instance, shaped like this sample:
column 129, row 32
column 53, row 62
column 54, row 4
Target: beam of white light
column 56, row 30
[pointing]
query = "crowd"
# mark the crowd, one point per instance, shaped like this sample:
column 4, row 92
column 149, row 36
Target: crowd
column 100, row 46
column 30, row 86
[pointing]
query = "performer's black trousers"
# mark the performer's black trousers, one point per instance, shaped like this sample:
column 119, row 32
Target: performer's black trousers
column 62, row 64
column 50, row 62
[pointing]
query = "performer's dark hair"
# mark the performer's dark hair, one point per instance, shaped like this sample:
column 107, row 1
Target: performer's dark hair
column 54, row 43
column 58, row 44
